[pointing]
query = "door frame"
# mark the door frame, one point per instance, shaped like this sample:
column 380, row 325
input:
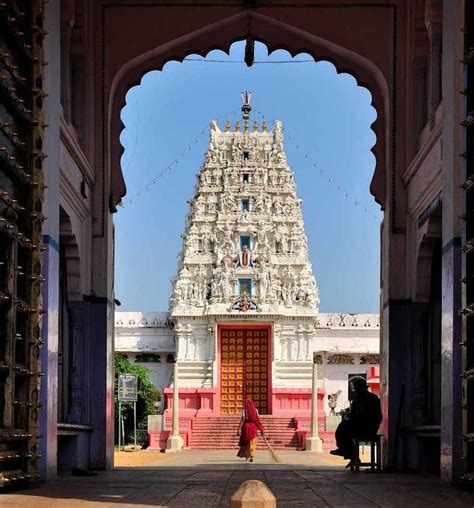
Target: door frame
column 246, row 326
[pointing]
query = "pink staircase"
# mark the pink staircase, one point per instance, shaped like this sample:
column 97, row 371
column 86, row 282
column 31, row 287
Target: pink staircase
column 220, row 432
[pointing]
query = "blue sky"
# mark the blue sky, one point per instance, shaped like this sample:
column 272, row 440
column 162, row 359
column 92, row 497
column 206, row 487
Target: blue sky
column 326, row 119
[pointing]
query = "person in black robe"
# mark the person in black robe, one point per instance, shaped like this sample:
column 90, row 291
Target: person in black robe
column 363, row 421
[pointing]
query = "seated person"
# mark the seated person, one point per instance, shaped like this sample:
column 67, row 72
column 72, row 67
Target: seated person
column 364, row 419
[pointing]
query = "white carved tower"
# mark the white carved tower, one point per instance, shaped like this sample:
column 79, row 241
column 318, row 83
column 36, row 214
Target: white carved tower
column 244, row 265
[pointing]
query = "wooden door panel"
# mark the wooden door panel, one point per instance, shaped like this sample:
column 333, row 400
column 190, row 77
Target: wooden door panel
column 244, row 369
column 232, row 372
column 257, row 368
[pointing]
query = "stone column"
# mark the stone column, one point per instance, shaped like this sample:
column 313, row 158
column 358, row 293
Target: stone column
column 313, row 442
column 48, row 416
column 175, row 441
column 435, row 31
column 77, row 368
column 452, row 333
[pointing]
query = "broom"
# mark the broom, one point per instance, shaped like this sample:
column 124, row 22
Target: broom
column 271, row 451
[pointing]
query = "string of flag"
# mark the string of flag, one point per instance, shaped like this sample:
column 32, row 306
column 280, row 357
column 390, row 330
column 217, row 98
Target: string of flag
column 176, row 160
column 288, row 136
column 324, row 174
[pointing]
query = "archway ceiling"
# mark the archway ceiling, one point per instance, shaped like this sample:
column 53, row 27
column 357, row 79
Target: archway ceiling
column 154, row 34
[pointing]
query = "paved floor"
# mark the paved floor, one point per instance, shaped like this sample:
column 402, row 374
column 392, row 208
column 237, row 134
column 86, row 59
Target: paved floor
column 202, row 479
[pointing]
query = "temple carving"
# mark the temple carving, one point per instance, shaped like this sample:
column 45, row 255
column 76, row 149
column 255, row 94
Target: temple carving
column 244, row 270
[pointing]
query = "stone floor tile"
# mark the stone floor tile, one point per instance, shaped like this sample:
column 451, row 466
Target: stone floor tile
column 440, row 496
column 283, row 476
column 241, row 476
column 209, row 476
column 339, row 494
column 196, row 496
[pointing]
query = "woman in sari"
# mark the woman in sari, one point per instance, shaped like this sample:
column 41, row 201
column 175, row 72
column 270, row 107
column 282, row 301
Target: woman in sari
column 250, row 424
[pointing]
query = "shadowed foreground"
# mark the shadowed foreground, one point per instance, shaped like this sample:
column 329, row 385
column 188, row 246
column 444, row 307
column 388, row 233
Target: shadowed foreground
column 208, row 479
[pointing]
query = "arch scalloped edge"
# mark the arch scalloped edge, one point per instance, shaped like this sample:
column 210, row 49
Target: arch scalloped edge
column 157, row 58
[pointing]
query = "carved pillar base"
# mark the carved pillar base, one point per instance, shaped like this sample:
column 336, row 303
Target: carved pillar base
column 314, row 444
column 174, row 444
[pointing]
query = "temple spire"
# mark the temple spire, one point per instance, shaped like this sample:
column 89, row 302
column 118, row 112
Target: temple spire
column 246, row 108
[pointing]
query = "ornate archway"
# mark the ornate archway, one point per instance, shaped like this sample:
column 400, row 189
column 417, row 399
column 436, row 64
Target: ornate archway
column 275, row 35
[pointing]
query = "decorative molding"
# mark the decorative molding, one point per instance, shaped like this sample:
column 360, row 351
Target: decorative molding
column 370, row 359
column 345, row 320
column 142, row 320
column 420, row 157
column 340, row 359
column 69, row 140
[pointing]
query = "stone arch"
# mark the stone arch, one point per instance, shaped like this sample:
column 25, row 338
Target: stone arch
column 68, row 242
column 275, row 35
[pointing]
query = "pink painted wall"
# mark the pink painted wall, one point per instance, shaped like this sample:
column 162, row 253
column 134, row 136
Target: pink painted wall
column 288, row 402
column 373, row 379
column 295, row 402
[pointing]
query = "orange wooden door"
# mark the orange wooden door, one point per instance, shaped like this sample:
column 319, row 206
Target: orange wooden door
column 232, row 371
column 256, row 368
column 244, row 369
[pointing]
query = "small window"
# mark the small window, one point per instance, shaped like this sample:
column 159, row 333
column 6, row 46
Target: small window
column 245, row 155
column 245, row 286
column 244, row 240
column 147, row 358
column 170, row 358
column 246, row 178
column 245, row 205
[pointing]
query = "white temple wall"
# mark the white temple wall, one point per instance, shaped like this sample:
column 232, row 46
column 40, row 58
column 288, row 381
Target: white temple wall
column 147, row 332
column 335, row 379
column 195, row 352
column 292, row 354
column 294, row 345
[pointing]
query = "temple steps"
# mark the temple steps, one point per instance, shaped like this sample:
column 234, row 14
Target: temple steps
column 221, row 432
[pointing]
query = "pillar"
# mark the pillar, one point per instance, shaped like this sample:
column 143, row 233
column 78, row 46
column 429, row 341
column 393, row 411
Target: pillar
column 313, row 442
column 451, row 330
column 77, row 367
column 175, row 441
column 48, row 418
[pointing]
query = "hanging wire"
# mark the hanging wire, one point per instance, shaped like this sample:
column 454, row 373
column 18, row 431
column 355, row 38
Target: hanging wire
column 174, row 162
column 340, row 188
column 288, row 136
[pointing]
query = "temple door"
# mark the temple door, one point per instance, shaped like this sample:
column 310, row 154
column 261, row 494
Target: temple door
column 244, row 369
column 232, row 371
column 256, row 368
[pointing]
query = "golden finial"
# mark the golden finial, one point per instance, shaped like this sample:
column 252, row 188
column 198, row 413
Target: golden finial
column 237, row 126
column 227, row 126
column 264, row 126
column 255, row 126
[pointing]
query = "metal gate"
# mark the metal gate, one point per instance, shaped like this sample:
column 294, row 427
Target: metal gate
column 21, row 190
